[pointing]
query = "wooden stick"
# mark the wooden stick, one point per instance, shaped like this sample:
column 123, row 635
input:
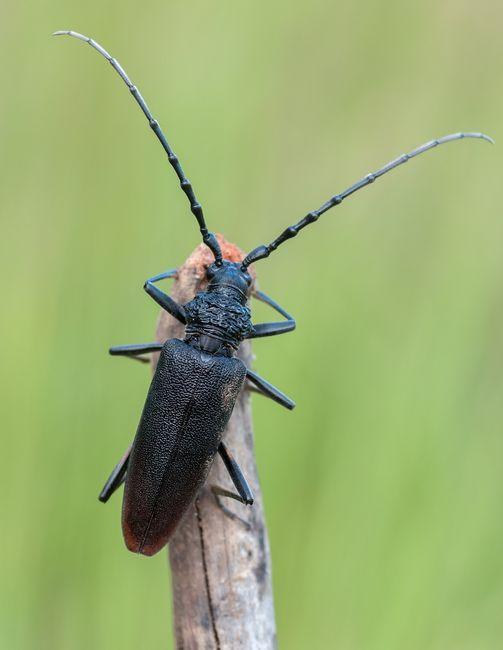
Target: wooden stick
column 219, row 556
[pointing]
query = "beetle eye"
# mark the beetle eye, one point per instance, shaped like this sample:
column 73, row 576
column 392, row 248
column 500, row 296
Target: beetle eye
column 210, row 271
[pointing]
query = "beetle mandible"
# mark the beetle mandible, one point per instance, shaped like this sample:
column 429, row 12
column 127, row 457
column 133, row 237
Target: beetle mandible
column 197, row 380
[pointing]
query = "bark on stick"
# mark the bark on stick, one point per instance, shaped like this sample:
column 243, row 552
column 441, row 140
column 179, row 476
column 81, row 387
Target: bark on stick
column 220, row 560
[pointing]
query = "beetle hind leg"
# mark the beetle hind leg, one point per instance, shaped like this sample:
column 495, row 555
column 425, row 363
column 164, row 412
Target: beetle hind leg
column 116, row 478
column 244, row 494
column 219, row 492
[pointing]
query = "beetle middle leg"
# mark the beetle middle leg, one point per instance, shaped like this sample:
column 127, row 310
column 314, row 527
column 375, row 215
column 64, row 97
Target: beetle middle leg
column 269, row 390
column 135, row 350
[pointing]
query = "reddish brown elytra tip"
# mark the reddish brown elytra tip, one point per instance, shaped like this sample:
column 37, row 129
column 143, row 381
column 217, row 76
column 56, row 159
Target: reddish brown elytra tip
column 135, row 544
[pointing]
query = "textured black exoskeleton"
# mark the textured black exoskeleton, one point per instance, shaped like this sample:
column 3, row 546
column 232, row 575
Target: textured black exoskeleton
column 197, row 380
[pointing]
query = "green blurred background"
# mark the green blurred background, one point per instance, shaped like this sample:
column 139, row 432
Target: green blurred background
column 383, row 489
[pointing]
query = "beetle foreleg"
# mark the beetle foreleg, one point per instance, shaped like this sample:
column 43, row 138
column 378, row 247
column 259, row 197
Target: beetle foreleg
column 116, row 478
column 162, row 299
column 272, row 329
column 269, row 390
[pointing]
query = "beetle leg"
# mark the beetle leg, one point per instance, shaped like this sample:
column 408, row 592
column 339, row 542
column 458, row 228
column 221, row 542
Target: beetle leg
column 272, row 329
column 245, row 495
column 255, row 389
column 269, row 390
column 135, row 350
column 220, row 492
column 116, row 478
column 162, row 299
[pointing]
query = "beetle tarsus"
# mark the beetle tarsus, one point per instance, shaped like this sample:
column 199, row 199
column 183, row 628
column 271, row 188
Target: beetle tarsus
column 219, row 492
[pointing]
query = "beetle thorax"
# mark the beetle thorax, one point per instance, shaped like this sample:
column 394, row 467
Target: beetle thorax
column 218, row 319
column 219, row 316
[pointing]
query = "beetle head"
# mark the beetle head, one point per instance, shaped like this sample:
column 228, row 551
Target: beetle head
column 229, row 275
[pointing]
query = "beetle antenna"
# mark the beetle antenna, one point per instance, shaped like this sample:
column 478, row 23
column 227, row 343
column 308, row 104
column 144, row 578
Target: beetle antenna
column 208, row 237
column 262, row 252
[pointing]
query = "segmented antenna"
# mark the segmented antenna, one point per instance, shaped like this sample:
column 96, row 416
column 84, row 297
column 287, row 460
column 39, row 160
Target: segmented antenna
column 264, row 251
column 208, row 237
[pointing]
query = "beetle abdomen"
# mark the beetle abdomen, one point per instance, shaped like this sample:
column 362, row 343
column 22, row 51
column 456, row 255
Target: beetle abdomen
column 189, row 402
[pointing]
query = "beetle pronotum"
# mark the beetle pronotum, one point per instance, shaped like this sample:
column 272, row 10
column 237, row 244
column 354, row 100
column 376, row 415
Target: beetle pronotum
column 197, row 380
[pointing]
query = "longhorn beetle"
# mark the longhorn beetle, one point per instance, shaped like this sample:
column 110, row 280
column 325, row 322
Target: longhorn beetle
column 197, row 380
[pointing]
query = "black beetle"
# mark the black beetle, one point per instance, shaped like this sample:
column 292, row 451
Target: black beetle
column 197, row 380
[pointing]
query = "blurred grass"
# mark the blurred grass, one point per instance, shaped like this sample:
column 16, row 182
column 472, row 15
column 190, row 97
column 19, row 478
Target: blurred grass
column 383, row 489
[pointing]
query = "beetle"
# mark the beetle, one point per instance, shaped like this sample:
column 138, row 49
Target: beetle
column 197, row 379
